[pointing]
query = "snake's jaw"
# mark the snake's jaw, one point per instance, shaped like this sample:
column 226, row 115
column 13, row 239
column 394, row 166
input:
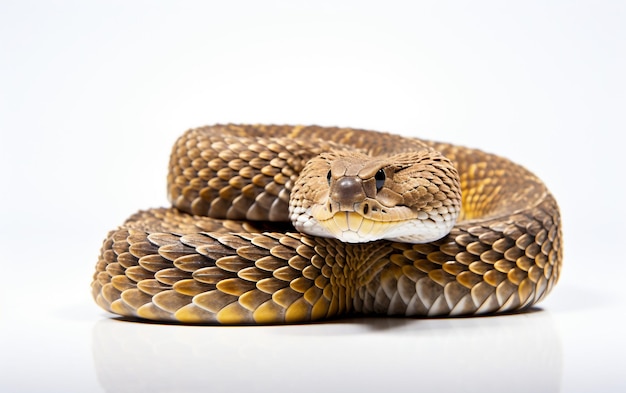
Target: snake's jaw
column 354, row 227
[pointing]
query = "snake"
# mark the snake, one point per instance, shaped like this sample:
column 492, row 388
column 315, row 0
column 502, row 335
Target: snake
column 274, row 224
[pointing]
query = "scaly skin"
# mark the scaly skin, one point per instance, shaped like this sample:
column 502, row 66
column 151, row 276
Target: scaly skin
column 504, row 253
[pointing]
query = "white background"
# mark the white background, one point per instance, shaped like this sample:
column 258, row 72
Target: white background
column 93, row 94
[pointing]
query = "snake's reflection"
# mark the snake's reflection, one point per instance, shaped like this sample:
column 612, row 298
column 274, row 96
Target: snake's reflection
column 509, row 353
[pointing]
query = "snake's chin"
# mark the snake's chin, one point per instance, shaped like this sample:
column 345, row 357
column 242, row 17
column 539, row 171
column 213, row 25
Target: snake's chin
column 352, row 227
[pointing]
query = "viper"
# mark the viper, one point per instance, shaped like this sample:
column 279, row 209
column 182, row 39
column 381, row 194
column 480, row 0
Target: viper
column 288, row 224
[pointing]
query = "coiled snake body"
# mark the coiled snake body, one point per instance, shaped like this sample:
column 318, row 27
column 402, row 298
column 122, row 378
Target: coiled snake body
column 226, row 252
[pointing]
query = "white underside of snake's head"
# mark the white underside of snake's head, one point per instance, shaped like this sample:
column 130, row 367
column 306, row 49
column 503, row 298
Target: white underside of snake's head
column 408, row 197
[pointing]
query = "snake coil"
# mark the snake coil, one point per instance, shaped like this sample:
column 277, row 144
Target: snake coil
column 226, row 252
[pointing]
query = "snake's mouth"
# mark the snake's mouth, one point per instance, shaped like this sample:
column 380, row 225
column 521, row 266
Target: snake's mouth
column 352, row 227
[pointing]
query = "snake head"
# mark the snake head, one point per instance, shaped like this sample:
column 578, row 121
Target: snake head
column 407, row 197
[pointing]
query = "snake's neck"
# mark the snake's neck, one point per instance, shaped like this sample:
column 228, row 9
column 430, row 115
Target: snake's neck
column 352, row 269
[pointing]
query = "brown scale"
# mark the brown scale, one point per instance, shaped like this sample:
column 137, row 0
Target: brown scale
column 504, row 254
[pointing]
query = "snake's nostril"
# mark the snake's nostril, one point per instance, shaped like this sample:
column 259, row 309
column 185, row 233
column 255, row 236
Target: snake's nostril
column 348, row 189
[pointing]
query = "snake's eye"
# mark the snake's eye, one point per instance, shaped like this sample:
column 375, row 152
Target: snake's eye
column 380, row 179
column 328, row 177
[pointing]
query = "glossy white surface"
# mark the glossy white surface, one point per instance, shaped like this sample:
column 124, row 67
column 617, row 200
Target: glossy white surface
column 92, row 96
